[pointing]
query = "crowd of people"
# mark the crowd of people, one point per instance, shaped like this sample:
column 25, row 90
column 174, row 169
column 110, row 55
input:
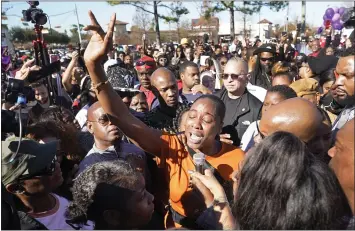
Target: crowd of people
column 116, row 144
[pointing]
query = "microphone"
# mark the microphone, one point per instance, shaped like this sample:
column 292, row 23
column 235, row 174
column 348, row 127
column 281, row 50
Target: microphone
column 199, row 161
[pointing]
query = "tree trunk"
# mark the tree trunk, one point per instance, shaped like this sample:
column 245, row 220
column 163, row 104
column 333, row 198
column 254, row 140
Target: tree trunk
column 156, row 19
column 232, row 30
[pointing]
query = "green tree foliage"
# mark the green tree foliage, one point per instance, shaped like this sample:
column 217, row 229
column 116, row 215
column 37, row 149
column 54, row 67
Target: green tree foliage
column 176, row 10
column 22, row 35
column 247, row 7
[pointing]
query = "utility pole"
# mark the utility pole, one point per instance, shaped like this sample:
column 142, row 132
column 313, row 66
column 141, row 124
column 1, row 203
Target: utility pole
column 303, row 20
column 77, row 23
column 288, row 12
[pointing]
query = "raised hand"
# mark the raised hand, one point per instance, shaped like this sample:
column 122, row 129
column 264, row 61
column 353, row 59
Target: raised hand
column 100, row 43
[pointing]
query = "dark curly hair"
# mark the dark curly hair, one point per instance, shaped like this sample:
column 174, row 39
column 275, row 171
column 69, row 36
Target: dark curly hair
column 104, row 185
column 285, row 91
column 63, row 119
column 284, row 186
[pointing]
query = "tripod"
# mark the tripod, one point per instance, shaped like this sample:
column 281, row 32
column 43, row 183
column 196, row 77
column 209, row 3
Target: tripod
column 42, row 59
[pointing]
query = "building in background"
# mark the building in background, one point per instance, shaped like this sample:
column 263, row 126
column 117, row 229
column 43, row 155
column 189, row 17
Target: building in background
column 263, row 29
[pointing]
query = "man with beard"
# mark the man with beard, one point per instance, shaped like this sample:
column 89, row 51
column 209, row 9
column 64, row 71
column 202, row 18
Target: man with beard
column 165, row 89
column 261, row 75
column 343, row 89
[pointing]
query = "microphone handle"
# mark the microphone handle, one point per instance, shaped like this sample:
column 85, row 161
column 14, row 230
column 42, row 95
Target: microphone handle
column 199, row 168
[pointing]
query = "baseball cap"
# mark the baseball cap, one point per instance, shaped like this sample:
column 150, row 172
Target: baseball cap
column 321, row 64
column 184, row 41
column 267, row 47
column 31, row 159
column 303, row 87
column 147, row 62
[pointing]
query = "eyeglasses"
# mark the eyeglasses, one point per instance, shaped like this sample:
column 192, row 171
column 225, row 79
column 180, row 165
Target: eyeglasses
column 103, row 120
column 267, row 59
column 233, row 76
column 47, row 171
column 142, row 63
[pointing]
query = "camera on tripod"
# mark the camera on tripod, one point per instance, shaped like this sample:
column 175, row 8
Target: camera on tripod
column 16, row 92
column 34, row 14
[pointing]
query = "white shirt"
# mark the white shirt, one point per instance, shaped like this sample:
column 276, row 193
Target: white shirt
column 55, row 218
column 248, row 136
column 82, row 116
column 257, row 91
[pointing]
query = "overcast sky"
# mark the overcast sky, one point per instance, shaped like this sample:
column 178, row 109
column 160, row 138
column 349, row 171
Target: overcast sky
column 102, row 10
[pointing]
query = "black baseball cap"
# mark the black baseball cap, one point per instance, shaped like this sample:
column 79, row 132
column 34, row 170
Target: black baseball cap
column 31, row 159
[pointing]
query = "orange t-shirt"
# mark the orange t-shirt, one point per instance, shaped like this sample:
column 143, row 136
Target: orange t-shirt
column 176, row 162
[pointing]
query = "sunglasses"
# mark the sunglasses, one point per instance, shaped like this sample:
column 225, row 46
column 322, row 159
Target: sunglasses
column 267, row 59
column 103, row 120
column 233, row 76
column 47, row 171
column 142, row 63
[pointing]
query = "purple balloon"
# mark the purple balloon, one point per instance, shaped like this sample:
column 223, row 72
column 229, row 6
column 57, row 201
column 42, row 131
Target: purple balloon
column 341, row 10
column 336, row 9
column 330, row 12
column 337, row 26
column 341, row 22
column 325, row 17
column 320, row 30
column 336, row 17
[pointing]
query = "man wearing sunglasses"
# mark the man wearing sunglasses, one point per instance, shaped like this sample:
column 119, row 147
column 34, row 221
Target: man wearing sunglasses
column 261, row 75
column 242, row 108
column 145, row 67
column 108, row 145
column 31, row 176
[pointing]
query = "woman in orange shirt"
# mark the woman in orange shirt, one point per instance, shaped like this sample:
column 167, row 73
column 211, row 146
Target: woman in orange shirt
column 204, row 122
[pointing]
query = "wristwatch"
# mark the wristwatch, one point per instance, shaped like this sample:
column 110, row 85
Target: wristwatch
column 220, row 201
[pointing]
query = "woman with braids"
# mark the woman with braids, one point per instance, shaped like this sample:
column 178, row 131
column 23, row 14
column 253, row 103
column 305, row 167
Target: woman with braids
column 204, row 122
column 282, row 186
column 112, row 195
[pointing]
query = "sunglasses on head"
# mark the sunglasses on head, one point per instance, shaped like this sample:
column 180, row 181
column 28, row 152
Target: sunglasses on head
column 233, row 76
column 142, row 63
column 47, row 171
column 267, row 59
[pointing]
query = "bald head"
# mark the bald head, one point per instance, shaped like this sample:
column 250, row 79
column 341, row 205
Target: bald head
column 297, row 116
column 237, row 64
column 92, row 109
column 165, row 82
column 161, row 74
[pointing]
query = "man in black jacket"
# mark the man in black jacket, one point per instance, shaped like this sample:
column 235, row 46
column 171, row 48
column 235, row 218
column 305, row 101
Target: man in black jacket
column 242, row 108
column 261, row 75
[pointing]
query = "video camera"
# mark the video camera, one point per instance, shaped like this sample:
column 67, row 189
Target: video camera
column 34, row 14
column 16, row 92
